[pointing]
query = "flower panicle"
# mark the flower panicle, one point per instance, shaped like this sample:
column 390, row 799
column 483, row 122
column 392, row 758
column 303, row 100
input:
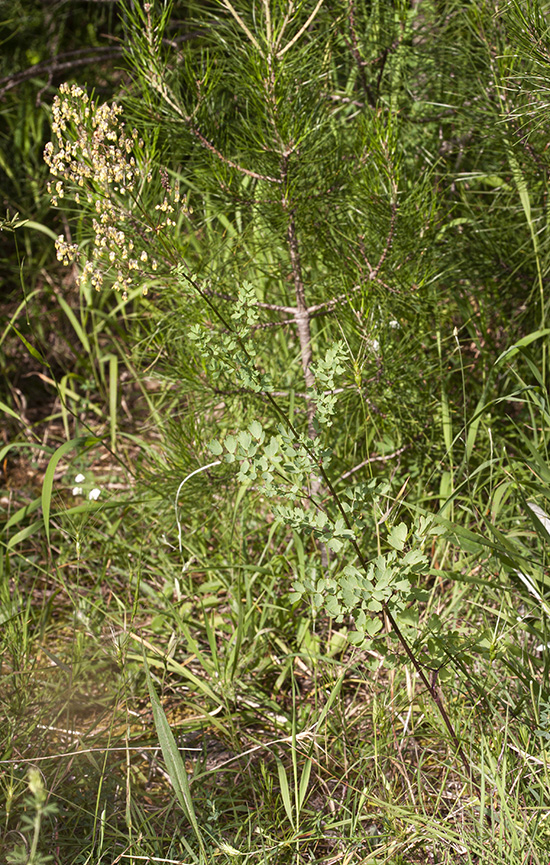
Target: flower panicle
column 94, row 161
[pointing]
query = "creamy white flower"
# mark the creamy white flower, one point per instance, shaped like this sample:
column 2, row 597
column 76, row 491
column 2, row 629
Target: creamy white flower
column 94, row 494
column 79, row 478
column 77, row 491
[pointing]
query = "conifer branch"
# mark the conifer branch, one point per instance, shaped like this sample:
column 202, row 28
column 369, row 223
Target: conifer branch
column 374, row 271
column 301, row 31
column 354, row 48
column 268, row 32
column 161, row 88
column 240, row 168
column 243, row 26
column 288, row 15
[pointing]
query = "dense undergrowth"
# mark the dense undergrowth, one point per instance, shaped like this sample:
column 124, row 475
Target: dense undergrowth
column 274, row 513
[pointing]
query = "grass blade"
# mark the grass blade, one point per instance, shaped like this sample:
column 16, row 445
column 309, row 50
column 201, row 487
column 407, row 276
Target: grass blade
column 173, row 759
column 285, row 791
column 304, row 782
column 77, row 327
column 47, row 486
column 7, row 410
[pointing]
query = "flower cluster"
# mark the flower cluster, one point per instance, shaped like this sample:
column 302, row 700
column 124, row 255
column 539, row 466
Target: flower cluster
column 93, row 494
column 66, row 252
column 93, row 162
column 99, row 151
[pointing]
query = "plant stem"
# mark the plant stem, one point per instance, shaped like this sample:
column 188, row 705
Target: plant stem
column 434, row 693
column 301, row 312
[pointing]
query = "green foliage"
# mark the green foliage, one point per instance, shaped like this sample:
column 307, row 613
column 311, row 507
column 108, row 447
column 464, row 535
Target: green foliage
column 337, row 213
column 37, row 809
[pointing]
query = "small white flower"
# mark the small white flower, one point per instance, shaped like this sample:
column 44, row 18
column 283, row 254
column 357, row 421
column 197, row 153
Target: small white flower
column 394, row 323
column 94, row 494
column 79, row 479
column 77, row 491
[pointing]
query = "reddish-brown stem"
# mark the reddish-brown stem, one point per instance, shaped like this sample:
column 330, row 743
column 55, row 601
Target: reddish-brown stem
column 433, row 691
column 207, row 144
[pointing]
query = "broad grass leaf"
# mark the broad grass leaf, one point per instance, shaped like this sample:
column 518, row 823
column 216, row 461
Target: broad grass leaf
column 173, row 759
